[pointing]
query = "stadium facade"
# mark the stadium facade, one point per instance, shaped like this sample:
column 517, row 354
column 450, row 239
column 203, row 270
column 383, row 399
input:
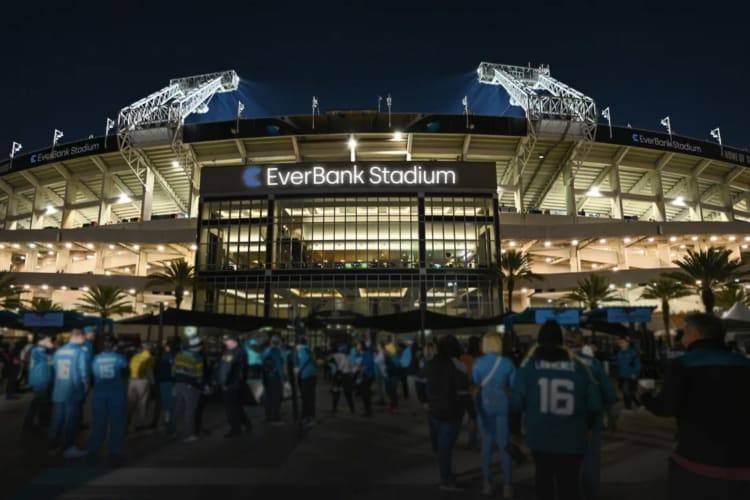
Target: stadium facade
column 367, row 212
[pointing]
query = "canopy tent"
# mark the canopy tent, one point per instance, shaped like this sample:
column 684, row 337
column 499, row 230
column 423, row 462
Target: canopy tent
column 540, row 315
column 52, row 321
column 738, row 312
column 411, row 321
column 185, row 317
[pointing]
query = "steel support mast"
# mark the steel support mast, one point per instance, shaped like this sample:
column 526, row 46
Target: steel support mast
column 158, row 119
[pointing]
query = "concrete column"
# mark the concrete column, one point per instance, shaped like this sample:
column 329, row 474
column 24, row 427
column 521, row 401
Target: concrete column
column 622, row 256
column 694, row 205
column 614, row 185
column 195, row 191
column 99, row 259
column 518, row 188
column 5, row 259
column 660, row 209
column 31, row 261
column 63, row 260
column 726, row 202
column 569, row 186
column 68, row 214
column 662, row 252
column 148, row 196
column 10, row 211
column 37, row 213
column 575, row 260
column 3, row 214
column 105, row 207
column 141, row 262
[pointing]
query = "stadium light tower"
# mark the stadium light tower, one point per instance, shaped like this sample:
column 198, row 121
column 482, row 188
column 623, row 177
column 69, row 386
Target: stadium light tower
column 314, row 110
column 667, row 123
column 606, row 114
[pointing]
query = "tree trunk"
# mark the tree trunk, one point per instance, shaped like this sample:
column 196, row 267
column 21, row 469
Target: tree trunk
column 665, row 313
column 707, row 296
column 178, row 303
column 511, row 287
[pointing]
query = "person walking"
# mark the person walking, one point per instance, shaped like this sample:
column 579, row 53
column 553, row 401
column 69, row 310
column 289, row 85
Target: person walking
column 592, row 457
column 187, row 375
column 468, row 357
column 231, row 378
column 343, row 379
column 628, row 364
column 108, row 402
column 707, row 390
column 366, row 375
column 139, row 386
column 13, row 368
column 274, row 376
column 493, row 376
column 163, row 379
column 70, row 386
column 448, row 400
column 556, row 395
column 307, row 372
column 40, row 380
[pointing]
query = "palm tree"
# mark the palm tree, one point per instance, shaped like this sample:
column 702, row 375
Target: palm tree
column 593, row 291
column 9, row 296
column 665, row 289
column 710, row 270
column 106, row 301
column 42, row 305
column 515, row 265
column 729, row 296
column 179, row 276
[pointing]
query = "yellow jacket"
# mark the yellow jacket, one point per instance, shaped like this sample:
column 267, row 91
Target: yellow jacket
column 142, row 365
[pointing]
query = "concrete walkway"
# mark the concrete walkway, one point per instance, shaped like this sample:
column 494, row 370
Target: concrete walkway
column 346, row 456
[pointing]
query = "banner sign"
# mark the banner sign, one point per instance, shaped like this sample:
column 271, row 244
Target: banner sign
column 675, row 144
column 60, row 152
column 253, row 179
column 44, row 320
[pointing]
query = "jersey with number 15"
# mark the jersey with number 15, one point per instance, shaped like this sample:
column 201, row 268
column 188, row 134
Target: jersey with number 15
column 110, row 371
column 556, row 397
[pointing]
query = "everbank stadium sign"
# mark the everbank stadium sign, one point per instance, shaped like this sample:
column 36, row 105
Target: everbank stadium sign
column 683, row 146
column 350, row 177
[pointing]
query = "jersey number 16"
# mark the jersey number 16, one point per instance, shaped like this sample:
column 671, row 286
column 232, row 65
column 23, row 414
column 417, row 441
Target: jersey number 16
column 556, row 396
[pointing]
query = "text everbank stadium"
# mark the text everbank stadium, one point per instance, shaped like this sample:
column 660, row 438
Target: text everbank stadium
column 368, row 213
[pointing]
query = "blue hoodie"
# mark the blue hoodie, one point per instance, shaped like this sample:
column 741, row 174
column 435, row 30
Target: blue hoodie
column 494, row 394
column 40, row 368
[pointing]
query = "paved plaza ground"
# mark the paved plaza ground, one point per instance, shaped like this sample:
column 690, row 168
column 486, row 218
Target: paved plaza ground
column 343, row 457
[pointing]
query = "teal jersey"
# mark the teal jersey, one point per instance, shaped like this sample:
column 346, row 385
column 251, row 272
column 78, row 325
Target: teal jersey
column 72, row 370
column 110, row 372
column 556, row 398
column 603, row 385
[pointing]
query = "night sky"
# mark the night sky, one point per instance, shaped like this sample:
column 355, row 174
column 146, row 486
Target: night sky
column 69, row 65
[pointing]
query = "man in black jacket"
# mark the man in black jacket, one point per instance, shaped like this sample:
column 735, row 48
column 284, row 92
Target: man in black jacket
column 448, row 398
column 231, row 377
column 708, row 391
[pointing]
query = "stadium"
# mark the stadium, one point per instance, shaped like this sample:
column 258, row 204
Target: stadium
column 367, row 212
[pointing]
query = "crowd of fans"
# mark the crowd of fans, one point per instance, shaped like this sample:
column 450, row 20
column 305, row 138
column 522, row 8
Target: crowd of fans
column 552, row 403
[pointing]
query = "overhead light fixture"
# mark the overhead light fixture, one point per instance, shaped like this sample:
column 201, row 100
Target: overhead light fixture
column 574, row 243
column 673, row 238
column 593, row 192
column 541, row 157
column 627, row 240
column 732, row 238
column 160, row 248
column 175, row 164
column 547, row 244
column 679, row 202
column 68, row 245
column 136, row 247
column 512, row 243
column 352, row 142
column 32, row 245
column 398, row 136
column 111, row 246
column 50, row 210
column 651, row 239
column 193, row 247
column 694, row 238
column 131, row 291
column 548, row 260
column 123, row 198
column 714, row 238
column 602, row 240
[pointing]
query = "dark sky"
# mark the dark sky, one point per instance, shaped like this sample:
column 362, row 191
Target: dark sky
column 71, row 64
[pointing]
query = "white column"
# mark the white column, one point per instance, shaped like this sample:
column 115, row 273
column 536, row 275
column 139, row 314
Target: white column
column 148, row 196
